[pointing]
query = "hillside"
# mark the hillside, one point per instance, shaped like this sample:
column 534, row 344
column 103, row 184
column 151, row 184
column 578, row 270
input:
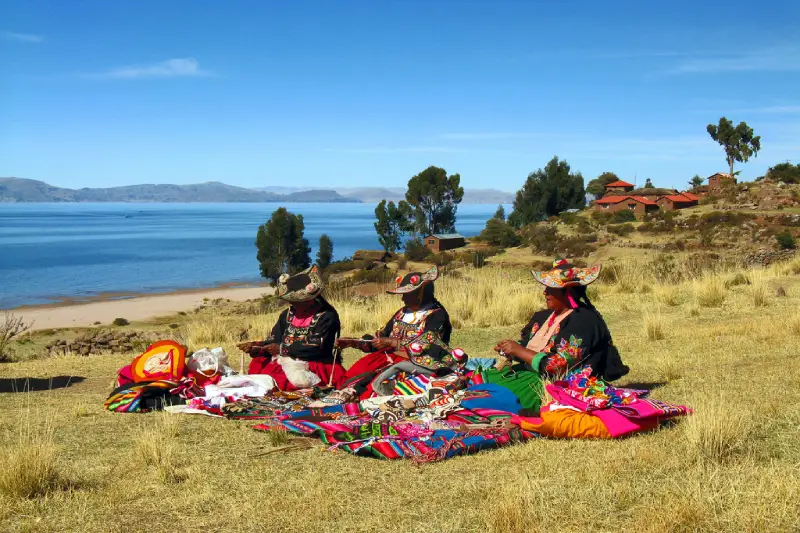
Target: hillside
column 24, row 190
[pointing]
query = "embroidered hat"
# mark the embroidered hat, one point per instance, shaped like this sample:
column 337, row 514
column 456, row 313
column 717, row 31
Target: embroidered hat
column 301, row 287
column 413, row 281
column 565, row 275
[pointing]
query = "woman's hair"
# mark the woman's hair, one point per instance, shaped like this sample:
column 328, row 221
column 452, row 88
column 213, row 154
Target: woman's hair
column 581, row 297
column 427, row 294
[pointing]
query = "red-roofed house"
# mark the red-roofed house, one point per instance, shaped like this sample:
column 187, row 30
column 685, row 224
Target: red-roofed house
column 638, row 204
column 671, row 202
column 619, row 186
column 691, row 196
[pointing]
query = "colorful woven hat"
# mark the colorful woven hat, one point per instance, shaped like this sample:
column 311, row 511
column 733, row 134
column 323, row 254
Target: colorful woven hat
column 413, row 281
column 301, row 287
column 565, row 275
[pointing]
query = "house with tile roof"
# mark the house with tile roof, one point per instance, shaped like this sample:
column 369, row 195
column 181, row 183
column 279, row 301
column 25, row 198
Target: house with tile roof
column 638, row 204
column 619, row 187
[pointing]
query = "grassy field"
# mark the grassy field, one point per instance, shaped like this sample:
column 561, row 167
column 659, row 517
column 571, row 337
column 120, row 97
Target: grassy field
column 724, row 344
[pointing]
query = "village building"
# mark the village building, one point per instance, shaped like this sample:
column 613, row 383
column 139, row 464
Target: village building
column 671, row 202
column 718, row 180
column 638, row 204
column 619, row 187
column 652, row 193
column 440, row 242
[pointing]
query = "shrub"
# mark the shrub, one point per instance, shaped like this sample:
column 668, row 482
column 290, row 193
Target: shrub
column 620, row 229
column 602, row 217
column 583, row 226
column 498, row 233
column 785, row 240
column 574, row 247
column 667, row 294
column 11, row 328
column 402, row 262
column 541, row 237
column 626, row 215
column 416, row 250
column 120, row 322
column 568, row 218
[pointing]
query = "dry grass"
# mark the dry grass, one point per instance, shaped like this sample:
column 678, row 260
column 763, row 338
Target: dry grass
column 730, row 467
column 155, row 445
column 760, row 291
column 29, row 467
column 719, row 430
column 668, row 294
column 653, row 326
column 710, row 291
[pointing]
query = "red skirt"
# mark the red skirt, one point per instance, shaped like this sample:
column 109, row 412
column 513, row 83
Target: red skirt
column 363, row 371
column 265, row 365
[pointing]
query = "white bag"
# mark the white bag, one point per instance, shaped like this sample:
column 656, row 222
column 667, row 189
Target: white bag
column 297, row 372
column 210, row 362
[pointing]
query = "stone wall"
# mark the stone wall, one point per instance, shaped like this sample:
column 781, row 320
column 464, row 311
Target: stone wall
column 102, row 341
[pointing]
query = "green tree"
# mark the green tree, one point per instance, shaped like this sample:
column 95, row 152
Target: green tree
column 281, row 245
column 785, row 172
column 325, row 252
column 435, row 197
column 392, row 223
column 597, row 186
column 648, row 184
column 500, row 214
column 548, row 192
column 498, row 233
column 696, row 181
column 739, row 142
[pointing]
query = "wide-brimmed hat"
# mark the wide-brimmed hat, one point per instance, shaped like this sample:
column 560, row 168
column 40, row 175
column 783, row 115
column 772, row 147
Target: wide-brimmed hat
column 414, row 281
column 564, row 275
column 301, row 287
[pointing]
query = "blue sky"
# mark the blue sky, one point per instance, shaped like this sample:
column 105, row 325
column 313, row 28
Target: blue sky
column 348, row 93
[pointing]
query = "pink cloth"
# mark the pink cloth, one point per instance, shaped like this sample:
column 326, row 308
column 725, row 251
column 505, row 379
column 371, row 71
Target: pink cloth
column 618, row 425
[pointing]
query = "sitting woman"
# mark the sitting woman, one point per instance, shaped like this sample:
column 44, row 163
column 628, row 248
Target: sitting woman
column 415, row 340
column 299, row 353
column 569, row 335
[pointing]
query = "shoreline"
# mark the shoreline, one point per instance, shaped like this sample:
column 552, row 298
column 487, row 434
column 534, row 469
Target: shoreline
column 118, row 296
column 104, row 308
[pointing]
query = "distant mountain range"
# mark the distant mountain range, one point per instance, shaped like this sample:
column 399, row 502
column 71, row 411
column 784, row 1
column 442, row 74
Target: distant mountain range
column 373, row 195
column 24, row 190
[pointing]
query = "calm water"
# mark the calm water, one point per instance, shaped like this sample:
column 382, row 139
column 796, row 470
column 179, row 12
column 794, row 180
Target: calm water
column 53, row 251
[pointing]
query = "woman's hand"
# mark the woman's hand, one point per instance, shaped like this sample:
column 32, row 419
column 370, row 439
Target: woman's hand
column 273, row 349
column 385, row 343
column 508, row 347
column 246, row 346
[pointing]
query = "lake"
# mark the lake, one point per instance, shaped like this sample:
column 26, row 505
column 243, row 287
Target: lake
column 50, row 252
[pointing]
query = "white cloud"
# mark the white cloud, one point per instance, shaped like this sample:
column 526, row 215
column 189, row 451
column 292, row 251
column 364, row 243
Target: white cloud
column 776, row 59
column 186, row 67
column 21, row 37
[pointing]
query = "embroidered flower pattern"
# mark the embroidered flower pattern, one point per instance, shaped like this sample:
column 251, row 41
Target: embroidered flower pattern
column 568, row 352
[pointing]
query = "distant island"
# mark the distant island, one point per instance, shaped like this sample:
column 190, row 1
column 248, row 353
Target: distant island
column 20, row 190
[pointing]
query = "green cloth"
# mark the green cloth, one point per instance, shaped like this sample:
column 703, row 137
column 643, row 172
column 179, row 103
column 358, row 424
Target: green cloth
column 521, row 381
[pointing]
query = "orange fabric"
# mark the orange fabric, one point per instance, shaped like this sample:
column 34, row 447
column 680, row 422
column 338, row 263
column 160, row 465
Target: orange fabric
column 163, row 360
column 568, row 424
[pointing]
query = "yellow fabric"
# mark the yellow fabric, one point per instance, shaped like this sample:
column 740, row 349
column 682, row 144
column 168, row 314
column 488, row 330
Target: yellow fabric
column 568, row 424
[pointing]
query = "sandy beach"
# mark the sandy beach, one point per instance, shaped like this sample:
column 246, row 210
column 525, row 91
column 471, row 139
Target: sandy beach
column 136, row 308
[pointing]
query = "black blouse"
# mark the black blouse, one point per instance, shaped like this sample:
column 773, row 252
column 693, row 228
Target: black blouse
column 581, row 339
column 311, row 343
column 431, row 334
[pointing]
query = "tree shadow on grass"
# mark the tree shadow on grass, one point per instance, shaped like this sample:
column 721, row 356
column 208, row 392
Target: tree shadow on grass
column 12, row 385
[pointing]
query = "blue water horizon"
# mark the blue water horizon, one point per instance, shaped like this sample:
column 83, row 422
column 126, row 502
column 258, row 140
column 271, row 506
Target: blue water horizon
column 80, row 251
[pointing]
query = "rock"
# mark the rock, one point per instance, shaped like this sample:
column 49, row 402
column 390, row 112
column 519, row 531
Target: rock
column 114, row 343
column 85, row 350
